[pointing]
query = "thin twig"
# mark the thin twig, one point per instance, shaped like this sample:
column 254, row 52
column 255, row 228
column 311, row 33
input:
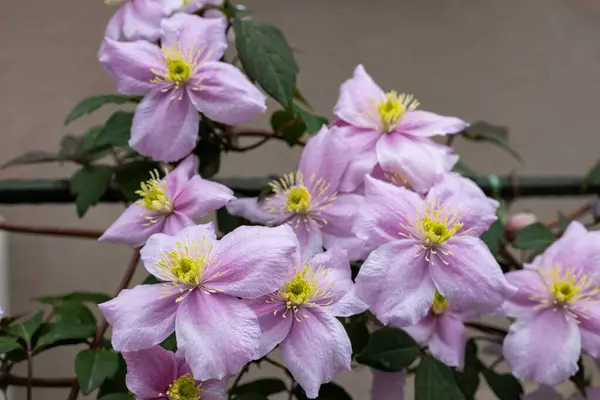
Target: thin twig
column 275, row 363
column 496, row 362
column 573, row 215
column 104, row 325
column 250, row 147
column 13, row 380
column 262, row 134
column 238, row 379
column 50, row 230
column 486, row 328
column 29, row 371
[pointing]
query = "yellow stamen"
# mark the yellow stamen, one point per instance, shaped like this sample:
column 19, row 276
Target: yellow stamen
column 155, row 196
column 184, row 388
column 396, row 179
column 392, row 107
column 440, row 304
column 298, row 199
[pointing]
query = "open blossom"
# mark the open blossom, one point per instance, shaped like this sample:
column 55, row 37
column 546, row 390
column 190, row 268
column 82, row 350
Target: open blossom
column 387, row 129
column 178, row 80
column 139, row 19
column 168, row 205
column 199, row 299
column 308, row 199
column 443, row 331
column 300, row 317
column 556, row 309
column 387, row 385
column 158, row 374
column 424, row 245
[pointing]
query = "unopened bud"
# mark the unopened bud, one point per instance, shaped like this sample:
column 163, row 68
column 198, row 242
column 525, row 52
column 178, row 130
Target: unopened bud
column 517, row 222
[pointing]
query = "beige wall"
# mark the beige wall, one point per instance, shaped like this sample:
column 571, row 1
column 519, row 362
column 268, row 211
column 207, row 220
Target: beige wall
column 531, row 65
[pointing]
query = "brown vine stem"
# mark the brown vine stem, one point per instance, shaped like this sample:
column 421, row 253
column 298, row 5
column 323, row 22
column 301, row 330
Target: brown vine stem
column 125, row 281
column 575, row 214
column 50, row 230
column 263, row 134
column 486, row 328
column 14, row 380
column 29, row 371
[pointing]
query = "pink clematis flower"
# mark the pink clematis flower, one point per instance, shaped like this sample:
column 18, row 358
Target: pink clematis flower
column 204, row 279
column 158, row 374
column 387, row 385
column 442, row 329
column 424, row 245
column 139, row 19
column 179, row 80
column 387, row 129
column 168, row 205
column 300, row 317
column 556, row 309
column 309, row 200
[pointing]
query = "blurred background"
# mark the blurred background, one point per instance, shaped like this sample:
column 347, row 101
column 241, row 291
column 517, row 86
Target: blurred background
column 533, row 66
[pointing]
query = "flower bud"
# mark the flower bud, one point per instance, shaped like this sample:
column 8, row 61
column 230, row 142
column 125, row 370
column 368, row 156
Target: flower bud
column 517, row 222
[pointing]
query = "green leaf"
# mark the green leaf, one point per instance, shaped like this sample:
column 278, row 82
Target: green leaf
column 265, row 387
column 328, row 391
column 95, row 366
column 468, row 379
column 579, row 379
column 267, row 59
column 494, row 236
column 313, row 122
column 299, row 97
column 150, row 280
column 88, row 185
column 74, row 312
column 117, row 396
column 8, row 343
column 116, row 131
column 227, row 222
column 116, row 384
column 536, row 237
column 434, row 381
column 27, row 329
column 93, row 103
column 65, row 330
column 288, row 125
column 358, row 333
column 170, row 343
column 32, row 157
column 463, row 169
column 505, row 386
column 128, row 177
column 592, row 176
column 498, row 135
column 390, row 350
column 77, row 297
column 563, row 222
column 208, row 151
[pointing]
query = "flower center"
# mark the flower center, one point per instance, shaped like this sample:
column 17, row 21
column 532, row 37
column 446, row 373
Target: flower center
column 184, row 388
column 154, row 195
column 298, row 199
column 188, row 270
column 186, row 263
column 438, row 228
column 440, row 304
column 392, row 107
column 299, row 289
column 179, row 71
column 181, row 66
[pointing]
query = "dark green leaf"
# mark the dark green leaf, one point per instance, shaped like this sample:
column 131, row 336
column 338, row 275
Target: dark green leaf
column 434, row 381
column 77, row 297
column 536, row 237
column 265, row 192
column 313, row 122
column 250, row 396
column 265, row 387
column 65, row 330
column 592, row 176
column 93, row 103
column 128, row 177
column 93, row 367
column 116, row 384
column 505, row 386
column 27, row 329
column 579, row 379
column 170, row 343
column 208, row 151
column 563, row 222
column 494, row 236
column 73, row 312
column 32, row 157
column 288, row 125
column 117, row 396
column 116, row 131
column 227, row 222
column 468, row 379
column 299, row 97
column 498, row 135
column 88, row 185
column 356, row 328
column 390, row 350
column 150, row 280
column 267, row 59
column 236, row 10
column 8, row 344
column 328, row 391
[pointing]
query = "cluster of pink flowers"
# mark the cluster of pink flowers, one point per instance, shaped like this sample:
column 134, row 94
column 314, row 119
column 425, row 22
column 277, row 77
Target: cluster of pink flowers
column 372, row 186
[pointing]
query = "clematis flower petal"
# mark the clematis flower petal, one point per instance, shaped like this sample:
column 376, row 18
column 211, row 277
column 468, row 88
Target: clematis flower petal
column 426, row 124
column 204, row 38
column 132, row 227
column 251, row 209
column 448, row 341
column 274, row 327
column 387, row 385
column 361, row 143
column 150, row 371
column 325, row 156
column 357, row 96
column 201, row 196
